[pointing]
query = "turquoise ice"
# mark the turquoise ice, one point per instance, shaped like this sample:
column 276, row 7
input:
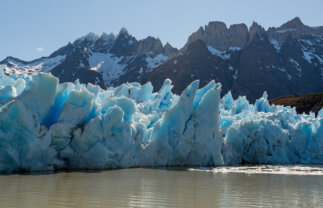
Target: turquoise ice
column 47, row 125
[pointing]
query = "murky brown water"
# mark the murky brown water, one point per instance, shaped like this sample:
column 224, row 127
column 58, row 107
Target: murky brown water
column 161, row 188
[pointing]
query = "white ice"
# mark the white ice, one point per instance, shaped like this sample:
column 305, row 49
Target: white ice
column 47, row 125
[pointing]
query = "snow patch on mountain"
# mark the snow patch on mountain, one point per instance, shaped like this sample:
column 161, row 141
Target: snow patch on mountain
column 40, row 65
column 110, row 66
column 156, row 61
column 297, row 66
column 285, row 31
column 216, row 52
column 308, row 42
column 235, row 76
column 275, row 44
column 309, row 56
column 234, row 48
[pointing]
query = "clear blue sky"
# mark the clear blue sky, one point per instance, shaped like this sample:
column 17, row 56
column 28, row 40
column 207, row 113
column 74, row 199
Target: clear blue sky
column 34, row 28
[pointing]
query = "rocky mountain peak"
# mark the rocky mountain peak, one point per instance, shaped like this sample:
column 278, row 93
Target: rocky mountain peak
column 216, row 27
column 108, row 37
column 199, row 34
column 169, row 50
column 10, row 58
column 150, row 45
column 293, row 29
column 125, row 44
column 104, row 43
column 65, row 50
column 89, row 38
column 124, row 32
column 217, row 35
column 282, row 60
column 124, row 35
column 294, row 23
column 238, row 35
column 255, row 28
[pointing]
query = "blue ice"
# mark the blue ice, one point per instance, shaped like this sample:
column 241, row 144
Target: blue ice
column 47, row 125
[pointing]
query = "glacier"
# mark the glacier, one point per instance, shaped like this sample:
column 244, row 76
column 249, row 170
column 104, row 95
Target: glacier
column 47, row 125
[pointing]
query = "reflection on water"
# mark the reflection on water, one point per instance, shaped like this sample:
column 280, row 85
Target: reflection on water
column 267, row 169
column 161, row 188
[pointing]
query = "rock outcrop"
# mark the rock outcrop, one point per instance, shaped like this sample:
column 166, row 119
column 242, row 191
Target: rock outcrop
column 302, row 103
column 281, row 60
column 217, row 35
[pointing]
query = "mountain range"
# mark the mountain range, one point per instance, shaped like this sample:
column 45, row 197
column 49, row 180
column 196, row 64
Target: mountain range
column 248, row 61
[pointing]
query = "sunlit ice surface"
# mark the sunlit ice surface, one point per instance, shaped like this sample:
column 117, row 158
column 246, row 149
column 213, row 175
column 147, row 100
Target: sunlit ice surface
column 47, row 125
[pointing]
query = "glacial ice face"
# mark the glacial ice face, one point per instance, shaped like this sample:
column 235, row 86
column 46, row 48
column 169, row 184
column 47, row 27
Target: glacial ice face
column 45, row 125
column 269, row 134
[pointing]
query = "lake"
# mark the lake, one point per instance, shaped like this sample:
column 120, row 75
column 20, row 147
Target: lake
column 254, row 186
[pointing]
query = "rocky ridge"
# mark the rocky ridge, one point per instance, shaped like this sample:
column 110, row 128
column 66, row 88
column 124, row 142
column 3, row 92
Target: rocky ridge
column 281, row 60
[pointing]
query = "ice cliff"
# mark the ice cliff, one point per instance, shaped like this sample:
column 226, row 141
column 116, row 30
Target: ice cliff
column 45, row 125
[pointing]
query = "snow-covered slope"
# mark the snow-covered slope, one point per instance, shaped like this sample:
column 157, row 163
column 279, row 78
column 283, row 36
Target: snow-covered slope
column 96, row 58
column 112, row 67
column 45, row 125
column 108, row 65
column 247, row 61
column 15, row 66
column 155, row 61
column 127, row 58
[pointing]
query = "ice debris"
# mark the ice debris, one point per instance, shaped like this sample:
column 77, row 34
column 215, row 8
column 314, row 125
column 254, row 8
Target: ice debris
column 45, row 125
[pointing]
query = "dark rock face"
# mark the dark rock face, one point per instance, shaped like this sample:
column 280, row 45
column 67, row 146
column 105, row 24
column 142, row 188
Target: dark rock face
column 254, row 30
column 124, row 45
column 169, row 50
column 283, row 60
column 217, row 35
column 105, row 59
column 75, row 67
column 303, row 103
column 196, row 63
column 293, row 29
column 151, row 45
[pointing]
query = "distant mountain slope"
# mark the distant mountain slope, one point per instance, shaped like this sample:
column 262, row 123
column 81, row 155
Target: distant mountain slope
column 100, row 59
column 283, row 60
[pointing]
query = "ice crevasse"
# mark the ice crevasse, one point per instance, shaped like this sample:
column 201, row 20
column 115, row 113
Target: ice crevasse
column 45, row 125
